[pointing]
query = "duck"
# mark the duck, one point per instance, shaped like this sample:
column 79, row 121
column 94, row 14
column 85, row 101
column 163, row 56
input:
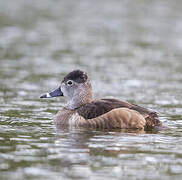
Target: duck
column 82, row 110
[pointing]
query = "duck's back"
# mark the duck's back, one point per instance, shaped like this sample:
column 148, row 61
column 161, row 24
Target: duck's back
column 99, row 108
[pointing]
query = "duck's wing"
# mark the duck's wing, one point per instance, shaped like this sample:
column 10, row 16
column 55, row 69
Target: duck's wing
column 144, row 111
column 97, row 108
column 103, row 106
column 150, row 116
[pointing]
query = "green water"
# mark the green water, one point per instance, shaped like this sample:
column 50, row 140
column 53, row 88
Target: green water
column 132, row 50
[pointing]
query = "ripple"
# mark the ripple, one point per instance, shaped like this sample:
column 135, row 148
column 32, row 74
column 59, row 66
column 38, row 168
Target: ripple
column 131, row 51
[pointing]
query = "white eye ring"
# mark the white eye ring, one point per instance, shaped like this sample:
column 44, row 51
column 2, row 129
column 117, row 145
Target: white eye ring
column 69, row 82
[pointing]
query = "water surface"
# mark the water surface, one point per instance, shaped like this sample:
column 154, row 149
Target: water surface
column 131, row 51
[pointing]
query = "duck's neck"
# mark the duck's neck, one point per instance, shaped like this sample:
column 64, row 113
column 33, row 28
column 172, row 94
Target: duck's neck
column 78, row 101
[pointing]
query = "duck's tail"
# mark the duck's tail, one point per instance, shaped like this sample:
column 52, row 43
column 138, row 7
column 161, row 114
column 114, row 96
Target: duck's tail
column 152, row 121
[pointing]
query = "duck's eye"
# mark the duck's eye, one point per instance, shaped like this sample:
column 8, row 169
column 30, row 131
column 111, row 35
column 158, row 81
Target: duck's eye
column 69, row 82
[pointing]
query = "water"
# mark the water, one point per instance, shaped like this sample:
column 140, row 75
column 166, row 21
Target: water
column 132, row 50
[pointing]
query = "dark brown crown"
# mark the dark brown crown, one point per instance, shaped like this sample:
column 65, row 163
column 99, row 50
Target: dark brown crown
column 77, row 76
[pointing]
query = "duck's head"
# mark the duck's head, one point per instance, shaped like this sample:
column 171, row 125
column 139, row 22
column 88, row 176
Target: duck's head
column 75, row 87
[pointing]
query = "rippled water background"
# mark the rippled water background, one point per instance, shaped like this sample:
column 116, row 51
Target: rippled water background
column 132, row 50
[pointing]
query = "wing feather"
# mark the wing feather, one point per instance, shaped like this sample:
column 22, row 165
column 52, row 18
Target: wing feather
column 100, row 107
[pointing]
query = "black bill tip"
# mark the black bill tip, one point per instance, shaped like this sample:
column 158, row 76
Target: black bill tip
column 45, row 96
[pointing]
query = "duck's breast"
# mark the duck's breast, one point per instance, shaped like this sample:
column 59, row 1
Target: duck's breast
column 68, row 118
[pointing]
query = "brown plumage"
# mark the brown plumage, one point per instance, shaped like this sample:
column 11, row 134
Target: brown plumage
column 103, row 106
column 82, row 111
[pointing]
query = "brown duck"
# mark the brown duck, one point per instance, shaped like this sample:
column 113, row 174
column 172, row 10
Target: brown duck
column 82, row 110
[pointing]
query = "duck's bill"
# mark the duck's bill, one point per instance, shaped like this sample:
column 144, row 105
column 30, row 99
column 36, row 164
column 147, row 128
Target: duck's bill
column 54, row 93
